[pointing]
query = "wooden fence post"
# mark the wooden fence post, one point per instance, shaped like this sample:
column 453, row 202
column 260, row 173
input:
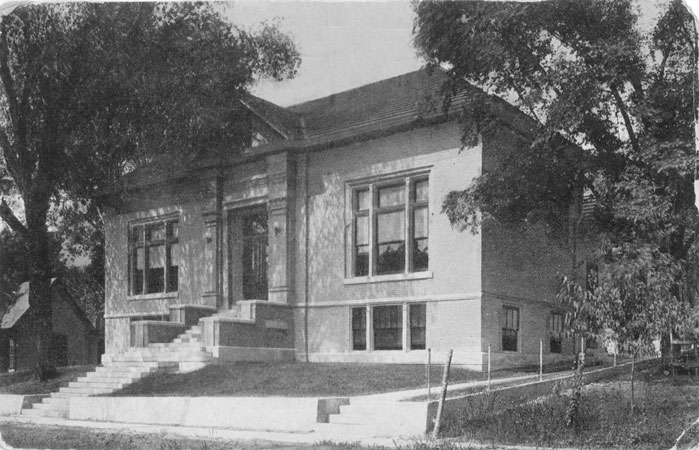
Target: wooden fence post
column 442, row 398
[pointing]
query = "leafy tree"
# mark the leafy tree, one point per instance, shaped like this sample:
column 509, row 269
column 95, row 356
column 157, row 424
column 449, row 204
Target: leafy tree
column 587, row 74
column 91, row 91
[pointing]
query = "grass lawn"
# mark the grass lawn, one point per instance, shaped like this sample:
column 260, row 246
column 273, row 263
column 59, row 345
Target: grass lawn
column 22, row 383
column 665, row 406
column 294, row 380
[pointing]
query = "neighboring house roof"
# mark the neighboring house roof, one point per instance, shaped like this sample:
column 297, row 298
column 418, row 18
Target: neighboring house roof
column 21, row 305
column 377, row 109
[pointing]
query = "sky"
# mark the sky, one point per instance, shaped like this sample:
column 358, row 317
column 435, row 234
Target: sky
column 344, row 45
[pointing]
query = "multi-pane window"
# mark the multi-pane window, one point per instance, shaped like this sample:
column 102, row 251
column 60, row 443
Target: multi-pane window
column 510, row 329
column 388, row 327
column 388, row 324
column 418, row 325
column 359, row 328
column 390, row 227
column 154, row 258
column 556, row 333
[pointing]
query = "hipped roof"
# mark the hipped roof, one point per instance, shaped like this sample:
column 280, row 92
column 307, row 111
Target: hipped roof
column 363, row 113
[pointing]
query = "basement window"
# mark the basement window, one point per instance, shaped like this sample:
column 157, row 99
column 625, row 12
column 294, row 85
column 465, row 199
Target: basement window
column 359, row 328
column 388, row 327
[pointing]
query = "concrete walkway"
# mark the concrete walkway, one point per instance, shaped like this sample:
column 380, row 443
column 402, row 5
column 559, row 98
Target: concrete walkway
column 227, row 434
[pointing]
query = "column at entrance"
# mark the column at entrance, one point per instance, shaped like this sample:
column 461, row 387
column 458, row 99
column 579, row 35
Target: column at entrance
column 210, row 283
column 280, row 178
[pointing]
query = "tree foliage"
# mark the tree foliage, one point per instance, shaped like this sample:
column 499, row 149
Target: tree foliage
column 588, row 74
column 91, row 91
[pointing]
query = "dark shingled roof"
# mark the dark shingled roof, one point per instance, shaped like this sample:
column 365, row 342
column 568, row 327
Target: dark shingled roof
column 380, row 108
column 380, row 105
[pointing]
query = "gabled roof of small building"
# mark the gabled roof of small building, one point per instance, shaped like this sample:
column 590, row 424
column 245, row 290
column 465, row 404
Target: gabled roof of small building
column 21, row 305
column 17, row 309
column 376, row 109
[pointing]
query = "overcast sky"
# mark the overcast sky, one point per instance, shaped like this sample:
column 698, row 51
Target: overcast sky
column 343, row 45
column 347, row 44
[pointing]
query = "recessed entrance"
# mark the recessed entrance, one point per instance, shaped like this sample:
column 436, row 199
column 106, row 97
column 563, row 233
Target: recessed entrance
column 247, row 254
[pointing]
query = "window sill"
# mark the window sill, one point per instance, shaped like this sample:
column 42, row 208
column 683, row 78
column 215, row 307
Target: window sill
column 388, row 278
column 156, row 296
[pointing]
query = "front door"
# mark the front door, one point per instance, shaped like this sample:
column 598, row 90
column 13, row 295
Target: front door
column 254, row 257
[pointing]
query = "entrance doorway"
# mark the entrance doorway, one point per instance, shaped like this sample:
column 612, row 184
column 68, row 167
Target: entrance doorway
column 247, row 255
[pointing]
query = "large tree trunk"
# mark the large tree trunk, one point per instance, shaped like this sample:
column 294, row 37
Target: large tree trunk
column 39, row 285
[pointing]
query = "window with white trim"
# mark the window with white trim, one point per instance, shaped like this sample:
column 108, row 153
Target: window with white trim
column 154, row 256
column 390, row 227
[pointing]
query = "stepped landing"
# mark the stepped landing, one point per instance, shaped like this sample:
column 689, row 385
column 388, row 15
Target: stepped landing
column 185, row 353
column 252, row 331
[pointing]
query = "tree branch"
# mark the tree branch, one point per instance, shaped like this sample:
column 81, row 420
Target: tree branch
column 9, row 217
column 627, row 119
column 5, row 75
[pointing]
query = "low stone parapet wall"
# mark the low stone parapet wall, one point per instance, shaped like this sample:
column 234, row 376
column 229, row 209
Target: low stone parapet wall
column 144, row 332
column 11, row 405
column 249, row 413
column 189, row 315
column 225, row 354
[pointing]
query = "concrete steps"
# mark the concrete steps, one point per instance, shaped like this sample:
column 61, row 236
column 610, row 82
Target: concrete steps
column 186, row 352
column 378, row 418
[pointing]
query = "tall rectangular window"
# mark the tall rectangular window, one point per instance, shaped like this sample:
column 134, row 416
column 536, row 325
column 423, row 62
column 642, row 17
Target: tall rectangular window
column 418, row 326
column 154, row 256
column 420, row 225
column 390, row 230
column 556, row 333
column 361, row 207
column 390, row 227
column 510, row 329
column 12, row 363
column 388, row 327
column 359, row 328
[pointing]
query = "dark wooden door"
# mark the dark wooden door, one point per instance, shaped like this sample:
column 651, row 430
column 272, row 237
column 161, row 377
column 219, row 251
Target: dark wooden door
column 254, row 257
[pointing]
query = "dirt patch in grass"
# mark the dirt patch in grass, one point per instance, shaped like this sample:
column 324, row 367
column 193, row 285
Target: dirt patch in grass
column 665, row 406
column 292, row 380
column 21, row 435
column 23, row 383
